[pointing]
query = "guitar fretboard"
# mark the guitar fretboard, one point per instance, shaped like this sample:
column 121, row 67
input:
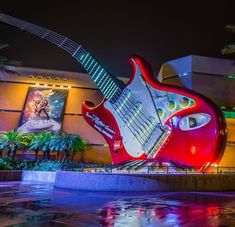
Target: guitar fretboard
column 109, row 85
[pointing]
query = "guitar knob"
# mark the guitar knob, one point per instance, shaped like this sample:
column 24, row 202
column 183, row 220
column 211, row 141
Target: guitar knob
column 160, row 112
column 171, row 105
column 185, row 102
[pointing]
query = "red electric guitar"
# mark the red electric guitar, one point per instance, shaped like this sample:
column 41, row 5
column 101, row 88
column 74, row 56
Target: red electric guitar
column 144, row 119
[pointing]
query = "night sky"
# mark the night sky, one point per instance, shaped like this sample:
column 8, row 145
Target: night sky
column 112, row 30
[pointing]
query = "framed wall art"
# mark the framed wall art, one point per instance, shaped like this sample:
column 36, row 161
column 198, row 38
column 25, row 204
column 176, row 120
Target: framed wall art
column 43, row 110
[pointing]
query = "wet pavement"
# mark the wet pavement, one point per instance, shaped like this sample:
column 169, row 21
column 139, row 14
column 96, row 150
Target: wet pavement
column 37, row 204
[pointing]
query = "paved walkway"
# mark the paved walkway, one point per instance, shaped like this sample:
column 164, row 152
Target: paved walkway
column 35, row 204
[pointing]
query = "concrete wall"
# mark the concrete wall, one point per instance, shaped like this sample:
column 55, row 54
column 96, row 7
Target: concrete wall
column 126, row 182
column 144, row 182
column 40, row 176
column 9, row 175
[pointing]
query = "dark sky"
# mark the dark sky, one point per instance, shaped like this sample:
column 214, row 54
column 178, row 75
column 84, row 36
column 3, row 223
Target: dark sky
column 112, row 30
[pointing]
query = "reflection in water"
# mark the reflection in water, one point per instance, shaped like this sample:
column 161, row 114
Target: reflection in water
column 160, row 212
column 36, row 204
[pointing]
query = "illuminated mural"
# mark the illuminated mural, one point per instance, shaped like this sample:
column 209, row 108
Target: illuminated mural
column 43, row 110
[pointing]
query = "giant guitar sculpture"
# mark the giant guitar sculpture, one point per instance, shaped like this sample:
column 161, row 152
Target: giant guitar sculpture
column 144, row 119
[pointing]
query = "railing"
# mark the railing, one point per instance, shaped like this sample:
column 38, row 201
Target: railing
column 148, row 169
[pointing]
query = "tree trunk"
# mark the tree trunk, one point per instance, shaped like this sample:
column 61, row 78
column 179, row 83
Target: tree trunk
column 36, row 154
column 73, row 155
column 57, row 155
column 14, row 152
column 48, row 155
column 66, row 154
column 44, row 156
column 64, row 158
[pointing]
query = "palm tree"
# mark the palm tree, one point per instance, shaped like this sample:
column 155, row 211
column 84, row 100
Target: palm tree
column 67, row 143
column 41, row 141
column 13, row 141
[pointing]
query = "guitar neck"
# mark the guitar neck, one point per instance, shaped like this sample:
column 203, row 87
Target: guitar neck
column 109, row 85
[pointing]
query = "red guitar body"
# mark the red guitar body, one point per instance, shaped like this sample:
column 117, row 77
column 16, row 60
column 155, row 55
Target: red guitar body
column 198, row 146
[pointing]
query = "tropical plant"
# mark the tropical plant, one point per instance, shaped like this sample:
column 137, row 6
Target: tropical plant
column 14, row 140
column 3, row 142
column 41, row 142
column 67, row 143
column 47, row 166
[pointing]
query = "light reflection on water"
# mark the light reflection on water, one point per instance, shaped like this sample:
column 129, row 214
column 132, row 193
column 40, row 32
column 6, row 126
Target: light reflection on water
column 42, row 205
column 202, row 210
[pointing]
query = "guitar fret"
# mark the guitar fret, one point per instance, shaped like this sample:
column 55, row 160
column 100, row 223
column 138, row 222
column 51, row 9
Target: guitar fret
column 47, row 33
column 102, row 80
column 111, row 85
column 98, row 82
column 93, row 67
column 96, row 71
column 90, row 58
column 85, row 58
column 24, row 26
column 112, row 92
column 95, row 80
column 90, row 64
column 106, row 85
column 76, row 51
column 62, row 42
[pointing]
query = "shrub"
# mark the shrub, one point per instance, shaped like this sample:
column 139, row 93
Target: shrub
column 47, row 166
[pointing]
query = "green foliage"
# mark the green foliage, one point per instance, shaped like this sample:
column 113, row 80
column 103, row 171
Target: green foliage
column 12, row 164
column 41, row 141
column 44, row 141
column 47, row 166
column 3, row 141
column 67, row 143
column 5, row 164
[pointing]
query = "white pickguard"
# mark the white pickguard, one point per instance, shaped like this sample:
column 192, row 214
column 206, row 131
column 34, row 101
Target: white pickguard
column 139, row 93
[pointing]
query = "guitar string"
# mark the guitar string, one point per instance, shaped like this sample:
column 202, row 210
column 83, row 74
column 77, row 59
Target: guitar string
column 69, row 47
